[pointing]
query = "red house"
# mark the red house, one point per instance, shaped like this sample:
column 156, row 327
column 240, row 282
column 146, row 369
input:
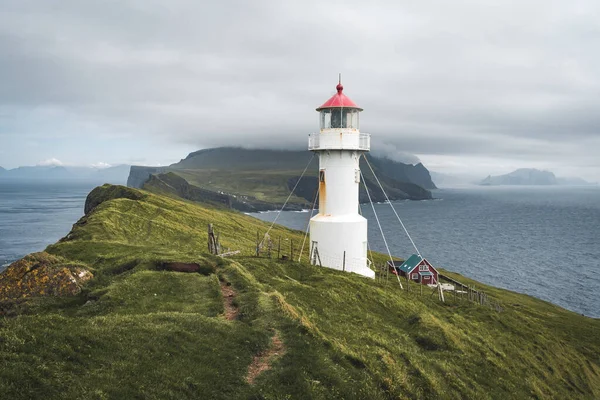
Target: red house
column 417, row 269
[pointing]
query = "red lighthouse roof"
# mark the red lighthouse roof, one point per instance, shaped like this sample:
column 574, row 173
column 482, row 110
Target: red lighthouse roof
column 339, row 100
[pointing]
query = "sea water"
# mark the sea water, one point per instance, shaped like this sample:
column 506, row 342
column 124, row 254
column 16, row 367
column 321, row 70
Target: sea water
column 542, row 241
column 36, row 214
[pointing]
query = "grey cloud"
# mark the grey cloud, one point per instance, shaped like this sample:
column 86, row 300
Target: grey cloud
column 500, row 80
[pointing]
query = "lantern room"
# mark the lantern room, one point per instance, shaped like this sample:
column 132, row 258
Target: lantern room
column 339, row 112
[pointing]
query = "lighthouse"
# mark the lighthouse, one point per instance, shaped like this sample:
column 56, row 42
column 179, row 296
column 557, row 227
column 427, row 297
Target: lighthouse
column 338, row 233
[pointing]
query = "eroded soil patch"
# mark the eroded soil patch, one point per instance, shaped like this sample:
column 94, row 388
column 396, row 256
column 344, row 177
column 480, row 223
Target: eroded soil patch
column 262, row 361
column 231, row 311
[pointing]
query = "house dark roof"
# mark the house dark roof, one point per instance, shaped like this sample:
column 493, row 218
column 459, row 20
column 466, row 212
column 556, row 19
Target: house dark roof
column 411, row 263
column 397, row 263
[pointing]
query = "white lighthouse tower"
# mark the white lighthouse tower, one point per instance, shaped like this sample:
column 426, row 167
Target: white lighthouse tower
column 338, row 233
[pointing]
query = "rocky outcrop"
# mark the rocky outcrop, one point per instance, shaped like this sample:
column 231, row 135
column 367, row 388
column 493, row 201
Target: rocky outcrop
column 41, row 274
column 109, row 192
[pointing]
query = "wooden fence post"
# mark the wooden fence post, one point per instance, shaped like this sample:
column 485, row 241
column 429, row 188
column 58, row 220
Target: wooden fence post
column 213, row 243
column 269, row 247
column 257, row 243
column 279, row 249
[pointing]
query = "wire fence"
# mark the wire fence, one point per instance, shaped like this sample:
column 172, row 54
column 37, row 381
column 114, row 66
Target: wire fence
column 448, row 290
column 340, row 261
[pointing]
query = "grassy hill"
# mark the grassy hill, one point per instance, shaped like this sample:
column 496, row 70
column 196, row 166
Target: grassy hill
column 265, row 177
column 258, row 328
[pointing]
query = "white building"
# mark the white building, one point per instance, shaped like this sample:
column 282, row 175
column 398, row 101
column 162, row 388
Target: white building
column 338, row 233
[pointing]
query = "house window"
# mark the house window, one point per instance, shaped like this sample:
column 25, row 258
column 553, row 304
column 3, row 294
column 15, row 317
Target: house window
column 426, row 278
column 415, row 276
column 322, row 175
column 423, row 267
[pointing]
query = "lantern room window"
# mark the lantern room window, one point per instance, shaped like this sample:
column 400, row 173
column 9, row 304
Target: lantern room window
column 325, row 119
column 339, row 118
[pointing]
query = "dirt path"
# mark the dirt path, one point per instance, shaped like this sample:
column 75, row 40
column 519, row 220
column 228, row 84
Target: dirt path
column 231, row 311
column 262, row 361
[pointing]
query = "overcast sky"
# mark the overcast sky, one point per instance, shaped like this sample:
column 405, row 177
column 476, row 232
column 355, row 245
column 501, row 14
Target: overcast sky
column 467, row 86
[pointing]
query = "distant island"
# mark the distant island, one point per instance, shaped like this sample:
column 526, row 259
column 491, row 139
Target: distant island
column 261, row 179
column 530, row 177
column 115, row 174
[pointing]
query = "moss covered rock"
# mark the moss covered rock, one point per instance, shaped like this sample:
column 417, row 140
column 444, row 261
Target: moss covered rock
column 42, row 274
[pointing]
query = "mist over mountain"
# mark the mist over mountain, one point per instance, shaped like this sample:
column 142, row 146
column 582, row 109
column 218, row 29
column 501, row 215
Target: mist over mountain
column 442, row 179
column 402, row 172
column 574, row 181
column 531, row 176
column 519, row 177
column 522, row 176
column 391, row 152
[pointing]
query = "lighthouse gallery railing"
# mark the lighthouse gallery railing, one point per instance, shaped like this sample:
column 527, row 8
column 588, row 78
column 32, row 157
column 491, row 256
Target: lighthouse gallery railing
column 339, row 141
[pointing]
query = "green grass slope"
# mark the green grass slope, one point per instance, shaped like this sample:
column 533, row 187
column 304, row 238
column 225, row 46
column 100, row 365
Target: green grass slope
column 262, row 174
column 138, row 331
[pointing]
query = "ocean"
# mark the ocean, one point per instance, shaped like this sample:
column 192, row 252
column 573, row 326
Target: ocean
column 36, row 214
column 542, row 241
